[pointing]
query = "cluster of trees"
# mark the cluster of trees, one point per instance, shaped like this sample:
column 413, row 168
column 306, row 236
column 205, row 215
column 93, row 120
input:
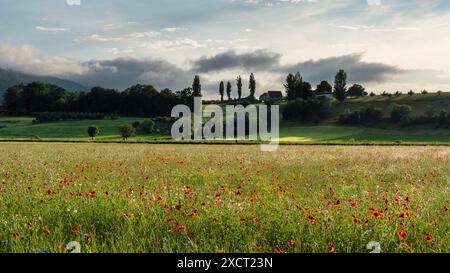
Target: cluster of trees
column 148, row 126
column 367, row 116
column 239, row 85
column 399, row 114
column 137, row 100
column 297, row 88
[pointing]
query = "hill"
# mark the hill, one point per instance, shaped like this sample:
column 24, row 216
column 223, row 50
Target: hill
column 420, row 103
column 9, row 78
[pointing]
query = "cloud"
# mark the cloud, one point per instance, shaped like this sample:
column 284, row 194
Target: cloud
column 172, row 29
column 25, row 59
column 256, row 61
column 100, row 38
column 170, row 45
column 124, row 72
column 357, row 69
column 50, row 29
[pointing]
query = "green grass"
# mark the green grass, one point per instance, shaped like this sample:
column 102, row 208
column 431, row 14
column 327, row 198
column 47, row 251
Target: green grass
column 22, row 128
column 188, row 198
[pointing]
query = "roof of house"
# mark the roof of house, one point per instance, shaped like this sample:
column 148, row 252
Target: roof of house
column 275, row 94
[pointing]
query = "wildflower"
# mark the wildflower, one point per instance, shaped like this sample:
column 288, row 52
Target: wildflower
column 179, row 207
column 107, row 194
column 93, row 194
column 255, row 220
column 30, row 224
column 280, row 250
column 291, row 242
column 47, row 232
column 331, row 248
column 402, row 235
column 445, row 209
column 160, row 199
column 429, row 239
column 87, row 237
column 16, row 235
column 74, row 230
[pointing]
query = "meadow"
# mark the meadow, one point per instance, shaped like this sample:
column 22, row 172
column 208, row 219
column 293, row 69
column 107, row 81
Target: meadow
column 226, row 199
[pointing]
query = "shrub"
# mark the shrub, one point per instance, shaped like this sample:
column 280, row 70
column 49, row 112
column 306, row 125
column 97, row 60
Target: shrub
column 411, row 92
column 136, row 125
column 93, row 131
column 306, row 110
column 400, row 113
column 367, row 116
column 148, row 126
column 443, row 120
column 127, row 131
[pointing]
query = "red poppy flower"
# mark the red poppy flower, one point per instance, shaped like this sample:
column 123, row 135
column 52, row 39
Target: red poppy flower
column 238, row 192
column 160, row 199
column 179, row 207
column 402, row 235
column 29, row 224
column 331, row 248
column 47, row 232
column 16, row 235
column 107, row 194
column 337, row 203
column 255, row 220
column 445, row 209
column 429, row 239
column 74, row 230
column 280, row 250
column 93, row 194
column 291, row 242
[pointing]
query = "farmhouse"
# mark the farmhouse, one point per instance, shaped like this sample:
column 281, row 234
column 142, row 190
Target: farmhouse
column 324, row 95
column 271, row 95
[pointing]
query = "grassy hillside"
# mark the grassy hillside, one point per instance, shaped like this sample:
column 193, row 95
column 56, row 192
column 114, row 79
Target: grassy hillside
column 419, row 103
column 22, row 128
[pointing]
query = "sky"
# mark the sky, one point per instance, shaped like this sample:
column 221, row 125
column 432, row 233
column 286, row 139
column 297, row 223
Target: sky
column 383, row 44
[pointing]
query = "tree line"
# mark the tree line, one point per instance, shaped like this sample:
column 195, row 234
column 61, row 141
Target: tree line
column 137, row 100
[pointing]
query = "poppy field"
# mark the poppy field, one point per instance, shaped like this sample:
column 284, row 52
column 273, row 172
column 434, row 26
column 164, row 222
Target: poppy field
column 121, row 198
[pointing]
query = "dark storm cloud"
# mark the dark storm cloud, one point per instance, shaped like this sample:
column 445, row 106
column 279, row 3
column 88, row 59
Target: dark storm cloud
column 357, row 70
column 258, row 60
column 123, row 72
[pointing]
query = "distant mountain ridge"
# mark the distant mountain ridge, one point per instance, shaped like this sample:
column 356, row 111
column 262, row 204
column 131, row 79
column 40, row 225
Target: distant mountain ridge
column 9, row 78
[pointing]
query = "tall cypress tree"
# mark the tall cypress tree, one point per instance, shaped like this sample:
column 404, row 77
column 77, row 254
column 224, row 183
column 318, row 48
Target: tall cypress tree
column 239, row 86
column 252, row 85
column 229, row 90
column 290, row 87
column 221, row 90
column 298, row 85
column 197, row 87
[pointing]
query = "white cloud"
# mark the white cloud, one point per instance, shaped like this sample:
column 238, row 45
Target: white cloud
column 100, row 38
column 169, row 45
column 50, row 29
column 172, row 29
column 25, row 59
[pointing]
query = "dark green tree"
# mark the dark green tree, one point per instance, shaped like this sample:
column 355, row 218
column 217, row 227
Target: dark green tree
column 93, row 131
column 340, row 85
column 298, row 85
column 252, row 85
column 290, row 87
column 239, row 86
column 197, row 87
column 221, row 90
column 127, row 131
column 324, row 87
column 356, row 90
column 229, row 90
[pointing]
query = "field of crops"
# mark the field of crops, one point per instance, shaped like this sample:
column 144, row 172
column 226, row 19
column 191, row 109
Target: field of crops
column 199, row 198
